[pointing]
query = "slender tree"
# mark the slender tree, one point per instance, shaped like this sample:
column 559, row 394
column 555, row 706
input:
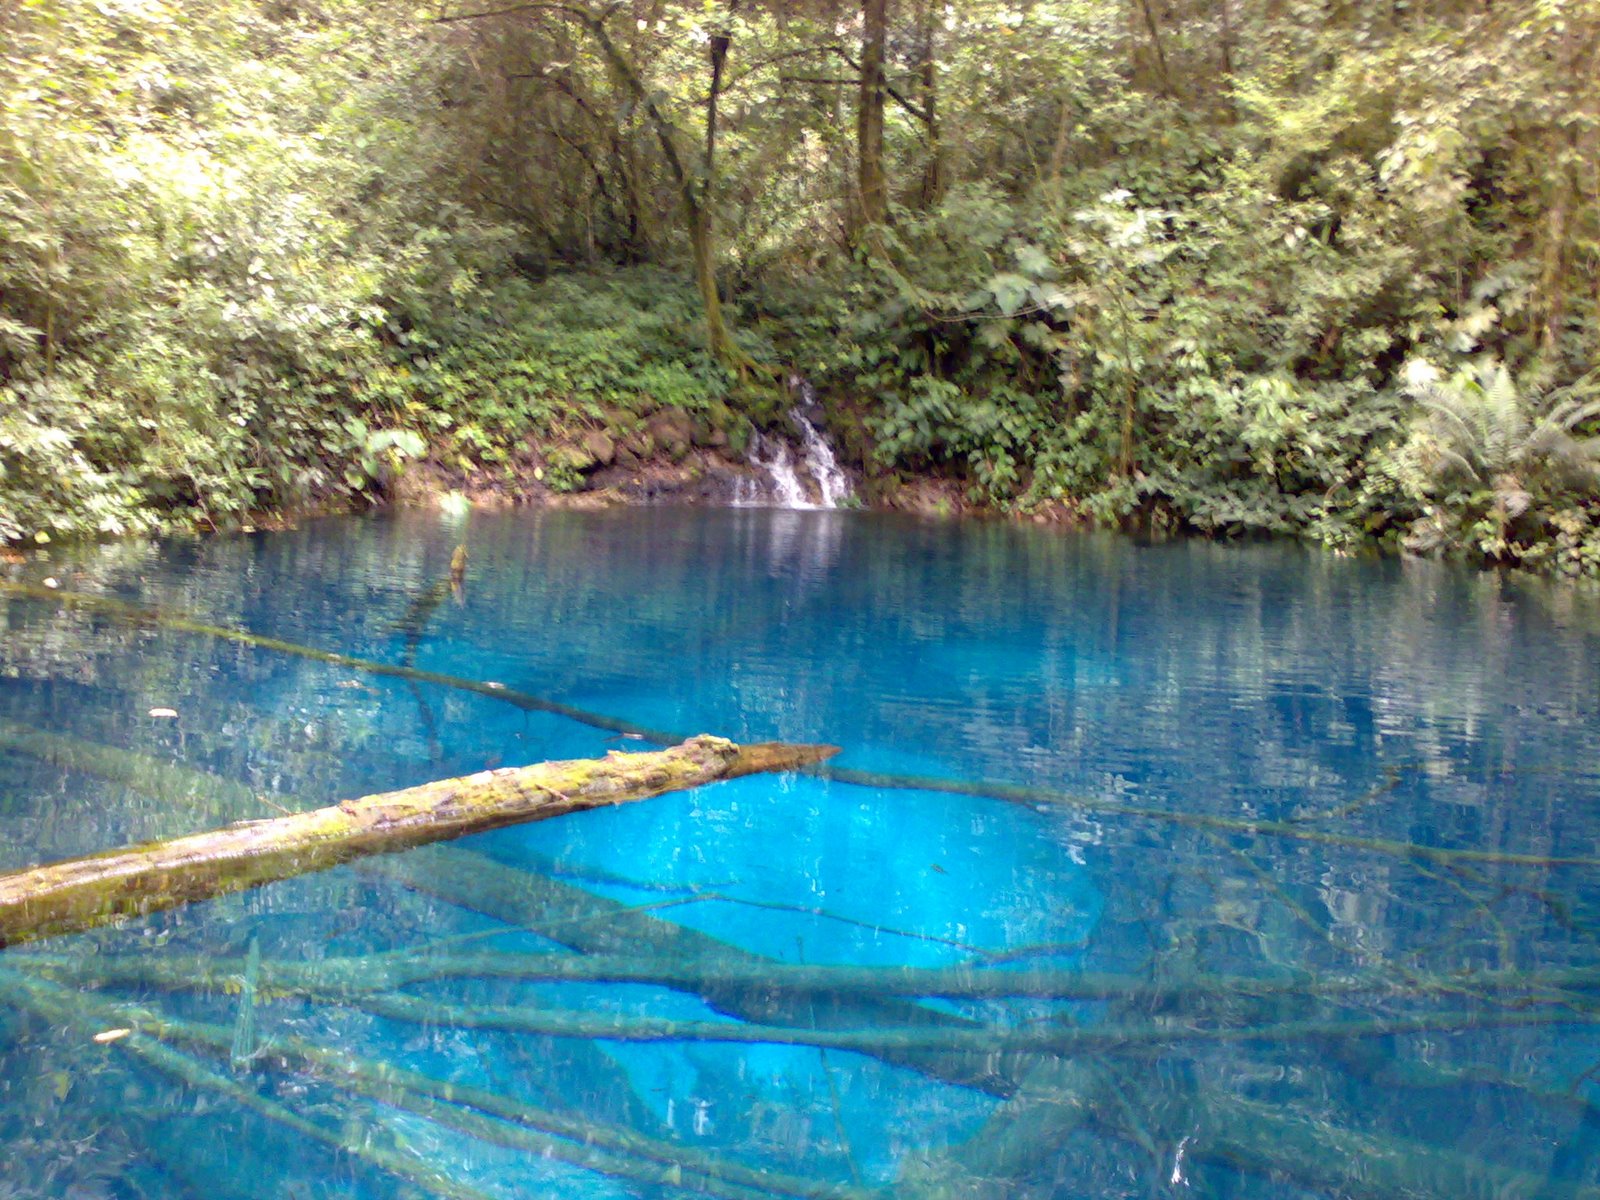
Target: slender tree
column 870, row 177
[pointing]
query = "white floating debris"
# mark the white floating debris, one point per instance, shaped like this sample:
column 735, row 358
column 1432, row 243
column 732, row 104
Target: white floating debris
column 1177, row 1165
column 52, row 582
column 163, row 712
column 111, row 1035
column 499, row 687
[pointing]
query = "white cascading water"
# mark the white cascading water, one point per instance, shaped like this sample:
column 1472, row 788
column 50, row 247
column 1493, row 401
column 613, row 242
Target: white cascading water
column 814, row 482
column 832, row 486
column 784, row 489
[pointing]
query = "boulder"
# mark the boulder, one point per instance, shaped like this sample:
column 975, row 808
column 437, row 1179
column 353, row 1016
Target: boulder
column 672, row 431
column 599, row 446
column 572, row 458
column 711, row 427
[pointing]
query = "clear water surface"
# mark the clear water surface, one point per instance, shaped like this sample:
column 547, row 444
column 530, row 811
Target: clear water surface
column 1147, row 871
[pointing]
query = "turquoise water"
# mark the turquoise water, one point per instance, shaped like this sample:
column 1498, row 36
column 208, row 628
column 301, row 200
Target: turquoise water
column 1293, row 863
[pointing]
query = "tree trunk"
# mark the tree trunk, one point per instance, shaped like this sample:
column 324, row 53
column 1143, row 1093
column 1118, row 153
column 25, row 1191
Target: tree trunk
column 869, row 114
column 1162, row 73
column 81, row 893
column 702, row 211
column 933, row 174
column 694, row 197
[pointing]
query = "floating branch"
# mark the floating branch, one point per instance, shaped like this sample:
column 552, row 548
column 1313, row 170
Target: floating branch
column 597, row 925
column 80, row 893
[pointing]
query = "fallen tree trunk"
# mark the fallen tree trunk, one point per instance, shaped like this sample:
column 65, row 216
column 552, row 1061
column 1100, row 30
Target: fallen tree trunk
column 80, row 893
column 569, row 915
column 773, row 979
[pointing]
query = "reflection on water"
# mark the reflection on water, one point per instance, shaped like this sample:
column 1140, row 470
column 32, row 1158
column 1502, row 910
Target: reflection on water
column 1145, row 871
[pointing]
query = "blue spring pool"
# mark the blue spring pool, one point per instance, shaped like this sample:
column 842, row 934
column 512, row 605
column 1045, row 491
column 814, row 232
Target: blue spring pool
column 1144, row 870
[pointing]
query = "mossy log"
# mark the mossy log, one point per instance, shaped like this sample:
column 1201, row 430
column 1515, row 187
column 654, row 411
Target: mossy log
column 80, row 893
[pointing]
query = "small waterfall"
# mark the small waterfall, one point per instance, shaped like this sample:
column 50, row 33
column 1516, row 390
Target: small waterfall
column 832, row 486
column 772, row 455
column 814, row 481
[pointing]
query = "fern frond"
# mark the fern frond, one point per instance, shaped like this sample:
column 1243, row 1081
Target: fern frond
column 1573, row 411
column 1451, row 458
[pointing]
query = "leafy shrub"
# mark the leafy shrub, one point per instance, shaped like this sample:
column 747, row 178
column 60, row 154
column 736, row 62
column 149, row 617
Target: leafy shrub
column 1503, row 477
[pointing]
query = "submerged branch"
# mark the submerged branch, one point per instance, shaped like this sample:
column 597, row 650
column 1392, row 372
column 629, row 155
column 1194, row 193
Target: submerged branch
column 1011, row 793
column 171, row 782
column 569, row 1138
column 143, row 1041
column 1250, row 826
column 928, row 1035
column 583, row 1141
column 136, row 614
column 730, row 974
column 598, row 925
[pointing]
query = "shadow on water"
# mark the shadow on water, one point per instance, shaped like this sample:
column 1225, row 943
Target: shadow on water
column 1281, row 881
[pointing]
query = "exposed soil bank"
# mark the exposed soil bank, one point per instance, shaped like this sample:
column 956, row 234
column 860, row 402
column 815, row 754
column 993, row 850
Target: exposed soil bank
column 695, row 475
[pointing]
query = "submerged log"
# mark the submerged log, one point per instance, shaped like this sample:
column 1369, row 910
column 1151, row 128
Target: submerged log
column 80, row 893
column 140, row 615
column 592, row 924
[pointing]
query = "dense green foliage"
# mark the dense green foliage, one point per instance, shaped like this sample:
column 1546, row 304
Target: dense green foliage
column 1324, row 270
column 235, row 275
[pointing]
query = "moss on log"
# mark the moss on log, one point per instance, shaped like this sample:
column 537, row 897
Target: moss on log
column 81, row 893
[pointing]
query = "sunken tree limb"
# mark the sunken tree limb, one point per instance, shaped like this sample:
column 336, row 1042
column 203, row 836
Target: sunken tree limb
column 80, row 893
